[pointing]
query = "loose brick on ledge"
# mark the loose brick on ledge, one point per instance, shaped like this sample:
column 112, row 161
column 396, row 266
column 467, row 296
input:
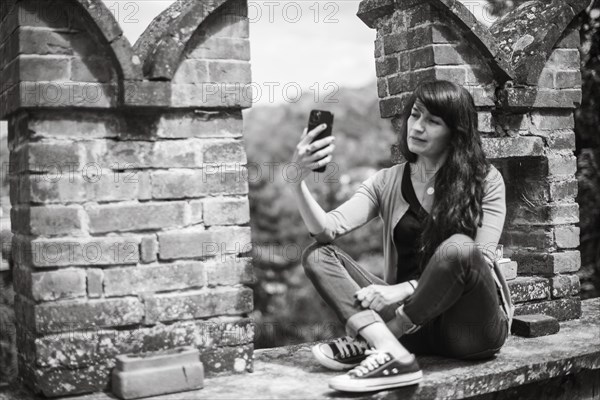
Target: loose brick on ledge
column 177, row 184
column 74, row 315
column 566, row 236
column 529, row 288
column 48, row 220
column 201, row 124
column 194, row 242
column 548, row 263
column 66, row 252
column 534, row 325
column 229, row 271
column 565, row 285
column 153, row 278
column 123, row 217
column 562, row 309
column 526, row 146
column 198, row 304
column 226, row 211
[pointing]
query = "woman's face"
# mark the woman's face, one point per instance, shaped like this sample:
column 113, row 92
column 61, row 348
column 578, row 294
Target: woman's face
column 427, row 135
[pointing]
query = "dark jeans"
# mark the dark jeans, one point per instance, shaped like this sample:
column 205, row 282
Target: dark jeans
column 456, row 301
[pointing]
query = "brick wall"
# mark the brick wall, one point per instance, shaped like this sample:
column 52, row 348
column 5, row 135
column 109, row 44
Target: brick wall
column 129, row 204
column 524, row 76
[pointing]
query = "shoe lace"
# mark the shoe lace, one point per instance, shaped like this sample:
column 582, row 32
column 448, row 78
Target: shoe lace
column 350, row 347
column 374, row 360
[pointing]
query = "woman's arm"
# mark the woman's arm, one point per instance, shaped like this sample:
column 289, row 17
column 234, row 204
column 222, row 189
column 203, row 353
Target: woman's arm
column 312, row 214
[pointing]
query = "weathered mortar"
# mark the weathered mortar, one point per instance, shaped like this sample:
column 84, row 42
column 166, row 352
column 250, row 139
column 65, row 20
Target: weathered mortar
column 523, row 73
column 129, row 204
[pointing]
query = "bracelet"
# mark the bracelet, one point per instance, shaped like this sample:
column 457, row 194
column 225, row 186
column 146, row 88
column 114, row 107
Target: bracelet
column 413, row 286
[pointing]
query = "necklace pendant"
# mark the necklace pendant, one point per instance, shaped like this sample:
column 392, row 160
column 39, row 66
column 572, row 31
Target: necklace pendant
column 430, row 191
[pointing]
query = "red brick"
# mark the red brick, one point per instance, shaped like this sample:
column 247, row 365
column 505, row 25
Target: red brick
column 562, row 309
column 513, row 147
column 546, row 79
column 231, row 359
column 519, row 237
column 191, row 71
column 394, row 43
column 485, row 122
column 198, row 304
column 153, row 278
column 51, row 156
column 226, row 211
column 542, row 98
column 457, row 75
column 547, row 263
column 566, row 236
column 449, row 55
column 201, row 124
column 231, row 271
column 528, row 288
column 43, row 15
column 226, row 151
column 66, row 252
column 51, row 285
column 189, row 183
column 135, row 216
column 66, row 94
column 71, row 315
column 509, row 269
column 563, row 190
column 382, row 88
column 95, row 278
column 48, row 220
column 393, row 106
column 149, row 249
column 565, row 285
column 553, row 121
column 386, row 66
column 562, row 164
column 551, row 214
column 80, row 124
column 194, row 242
column 378, row 44
column 196, row 212
column 534, row 325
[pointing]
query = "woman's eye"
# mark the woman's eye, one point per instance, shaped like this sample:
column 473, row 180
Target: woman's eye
column 433, row 121
column 414, row 115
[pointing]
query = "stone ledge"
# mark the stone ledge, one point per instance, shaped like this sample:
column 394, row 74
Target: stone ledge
column 291, row 372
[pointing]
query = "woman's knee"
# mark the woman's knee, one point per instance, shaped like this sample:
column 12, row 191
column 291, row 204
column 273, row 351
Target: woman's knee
column 458, row 248
column 313, row 255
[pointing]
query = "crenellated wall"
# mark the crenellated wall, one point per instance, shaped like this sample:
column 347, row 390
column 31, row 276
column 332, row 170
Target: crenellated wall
column 129, row 204
column 524, row 75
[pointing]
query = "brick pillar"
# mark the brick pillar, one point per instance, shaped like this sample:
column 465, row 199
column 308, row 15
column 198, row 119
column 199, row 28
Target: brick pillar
column 524, row 77
column 129, row 204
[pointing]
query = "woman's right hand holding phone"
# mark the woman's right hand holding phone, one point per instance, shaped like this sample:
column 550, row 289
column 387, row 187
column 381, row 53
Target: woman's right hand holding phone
column 311, row 155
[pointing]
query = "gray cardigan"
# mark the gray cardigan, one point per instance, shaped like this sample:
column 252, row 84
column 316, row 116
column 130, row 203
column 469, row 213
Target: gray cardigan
column 381, row 195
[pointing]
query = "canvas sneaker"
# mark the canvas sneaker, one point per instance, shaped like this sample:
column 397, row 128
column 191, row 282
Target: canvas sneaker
column 378, row 371
column 341, row 354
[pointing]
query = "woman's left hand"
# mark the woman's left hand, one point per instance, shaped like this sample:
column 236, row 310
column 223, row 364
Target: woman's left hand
column 377, row 297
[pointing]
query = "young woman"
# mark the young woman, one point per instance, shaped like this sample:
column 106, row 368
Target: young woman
column 443, row 212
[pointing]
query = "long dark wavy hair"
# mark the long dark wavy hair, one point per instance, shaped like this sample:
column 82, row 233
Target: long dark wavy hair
column 457, row 206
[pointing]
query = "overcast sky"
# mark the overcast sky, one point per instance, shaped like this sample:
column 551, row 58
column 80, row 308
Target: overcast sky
column 315, row 45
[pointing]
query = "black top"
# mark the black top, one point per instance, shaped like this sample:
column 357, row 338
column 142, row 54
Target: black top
column 408, row 231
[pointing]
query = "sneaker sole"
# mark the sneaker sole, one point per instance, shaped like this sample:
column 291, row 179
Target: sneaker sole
column 373, row 384
column 328, row 362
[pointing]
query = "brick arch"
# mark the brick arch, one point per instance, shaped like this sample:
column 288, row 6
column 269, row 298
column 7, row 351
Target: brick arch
column 526, row 49
column 163, row 43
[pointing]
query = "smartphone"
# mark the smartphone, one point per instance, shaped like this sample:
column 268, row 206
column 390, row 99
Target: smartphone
column 316, row 118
